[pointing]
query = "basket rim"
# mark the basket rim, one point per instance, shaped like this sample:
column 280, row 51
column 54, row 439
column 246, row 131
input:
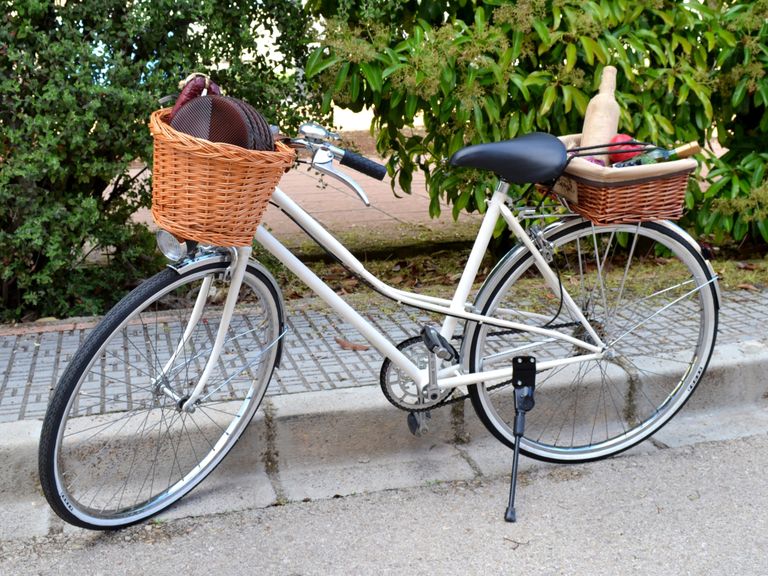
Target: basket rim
column 625, row 183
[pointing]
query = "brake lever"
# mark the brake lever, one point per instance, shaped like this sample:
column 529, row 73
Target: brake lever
column 322, row 161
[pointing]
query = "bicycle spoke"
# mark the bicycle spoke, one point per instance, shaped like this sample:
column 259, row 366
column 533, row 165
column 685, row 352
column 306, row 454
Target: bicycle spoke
column 126, row 448
column 656, row 334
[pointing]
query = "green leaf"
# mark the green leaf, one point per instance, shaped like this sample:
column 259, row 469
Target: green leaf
column 728, row 37
column 550, row 94
column 740, row 229
column 715, row 188
column 513, row 125
column 543, row 32
column 690, row 200
column 758, row 175
column 762, row 92
column 372, row 74
column 570, row 57
column 327, row 100
column 762, row 227
column 567, row 98
column 735, row 186
column 517, row 44
column 492, row 108
column 581, row 100
column 341, row 77
column 665, row 124
column 520, row 83
column 389, row 70
column 411, row 103
column 354, row 86
column 739, row 92
column 589, row 49
column 462, row 201
column 316, row 63
column 479, row 120
column 480, row 200
column 457, row 143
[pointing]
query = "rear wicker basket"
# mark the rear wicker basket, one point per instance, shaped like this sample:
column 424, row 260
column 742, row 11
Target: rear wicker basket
column 211, row 192
column 624, row 195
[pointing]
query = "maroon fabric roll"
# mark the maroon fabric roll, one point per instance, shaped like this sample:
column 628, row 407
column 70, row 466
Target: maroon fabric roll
column 221, row 119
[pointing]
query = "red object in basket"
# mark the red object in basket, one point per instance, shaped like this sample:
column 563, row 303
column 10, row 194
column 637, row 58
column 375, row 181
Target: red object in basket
column 627, row 150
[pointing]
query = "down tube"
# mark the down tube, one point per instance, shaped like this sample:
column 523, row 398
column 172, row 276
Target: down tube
column 338, row 304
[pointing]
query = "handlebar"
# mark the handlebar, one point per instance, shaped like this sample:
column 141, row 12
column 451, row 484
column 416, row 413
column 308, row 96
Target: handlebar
column 316, row 139
column 365, row 165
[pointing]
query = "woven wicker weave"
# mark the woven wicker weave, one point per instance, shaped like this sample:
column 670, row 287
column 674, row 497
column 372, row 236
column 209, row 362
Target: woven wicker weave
column 211, row 192
column 657, row 199
column 624, row 195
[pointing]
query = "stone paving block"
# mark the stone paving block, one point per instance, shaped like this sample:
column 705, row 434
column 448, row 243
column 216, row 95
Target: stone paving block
column 32, row 363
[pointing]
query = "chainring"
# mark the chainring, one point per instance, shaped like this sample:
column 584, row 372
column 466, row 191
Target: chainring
column 401, row 390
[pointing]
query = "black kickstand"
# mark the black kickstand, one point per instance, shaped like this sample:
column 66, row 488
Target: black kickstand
column 524, row 381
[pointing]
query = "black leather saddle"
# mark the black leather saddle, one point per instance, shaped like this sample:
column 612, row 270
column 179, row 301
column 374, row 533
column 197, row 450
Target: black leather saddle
column 536, row 157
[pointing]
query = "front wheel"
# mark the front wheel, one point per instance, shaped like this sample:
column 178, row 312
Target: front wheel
column 650, row 297
column 116, row 447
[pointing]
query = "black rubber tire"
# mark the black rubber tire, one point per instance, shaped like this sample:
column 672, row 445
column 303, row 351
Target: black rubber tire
column 606, row 406
column 116, row 332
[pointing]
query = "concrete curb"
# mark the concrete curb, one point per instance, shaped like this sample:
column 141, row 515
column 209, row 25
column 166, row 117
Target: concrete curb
column 323, row 444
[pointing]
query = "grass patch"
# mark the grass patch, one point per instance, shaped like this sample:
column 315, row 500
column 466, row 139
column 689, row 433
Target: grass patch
column 437, row 273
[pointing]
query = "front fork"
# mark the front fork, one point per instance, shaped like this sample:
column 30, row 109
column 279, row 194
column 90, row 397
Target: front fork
column 237, row 271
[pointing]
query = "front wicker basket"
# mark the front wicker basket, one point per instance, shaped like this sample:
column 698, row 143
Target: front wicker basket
column 211, row 192
column 624, row 195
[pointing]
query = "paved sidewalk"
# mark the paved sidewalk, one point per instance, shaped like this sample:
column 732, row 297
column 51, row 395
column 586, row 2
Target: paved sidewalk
column 33, row 357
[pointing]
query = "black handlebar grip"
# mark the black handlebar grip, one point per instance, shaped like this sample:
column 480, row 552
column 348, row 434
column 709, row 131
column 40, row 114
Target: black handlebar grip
column 364, row 165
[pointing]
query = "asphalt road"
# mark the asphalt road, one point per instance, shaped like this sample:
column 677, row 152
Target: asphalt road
column 700, row 509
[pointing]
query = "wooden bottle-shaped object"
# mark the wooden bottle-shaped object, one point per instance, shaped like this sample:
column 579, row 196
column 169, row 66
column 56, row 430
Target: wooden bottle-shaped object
column 601, row 121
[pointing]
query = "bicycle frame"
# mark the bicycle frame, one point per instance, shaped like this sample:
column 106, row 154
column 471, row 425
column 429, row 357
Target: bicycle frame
column 454, row 310
column 458, row 308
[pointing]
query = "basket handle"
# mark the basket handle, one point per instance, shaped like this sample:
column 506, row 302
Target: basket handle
column 193, row 87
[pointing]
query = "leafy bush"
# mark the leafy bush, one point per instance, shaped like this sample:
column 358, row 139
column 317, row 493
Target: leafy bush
column 80, row 80
column 735, row 200
column 481, row 71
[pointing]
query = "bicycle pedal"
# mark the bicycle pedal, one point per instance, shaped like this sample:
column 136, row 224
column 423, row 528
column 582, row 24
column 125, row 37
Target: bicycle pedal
column 437, row 344
column 417, row 423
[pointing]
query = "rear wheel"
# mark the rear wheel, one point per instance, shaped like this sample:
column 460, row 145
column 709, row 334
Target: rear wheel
column 116, row 448
column 649, row 296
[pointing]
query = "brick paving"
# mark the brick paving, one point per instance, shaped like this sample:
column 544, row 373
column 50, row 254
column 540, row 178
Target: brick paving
column 33, row 357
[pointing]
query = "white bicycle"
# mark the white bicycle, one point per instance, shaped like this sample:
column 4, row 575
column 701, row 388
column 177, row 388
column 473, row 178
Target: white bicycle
column 165, row 385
